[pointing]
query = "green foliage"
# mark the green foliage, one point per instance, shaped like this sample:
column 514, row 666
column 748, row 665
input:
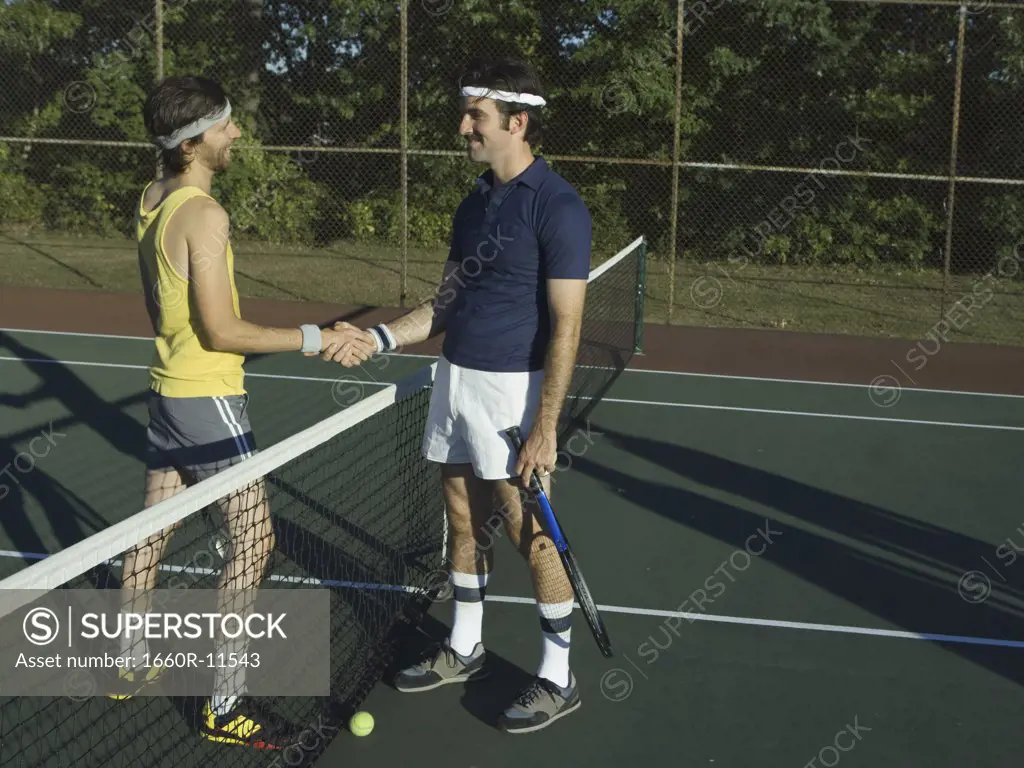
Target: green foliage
column 23, row 201
column 89, row 199
column 775, row 84
column 270, row 197
column 379, row 219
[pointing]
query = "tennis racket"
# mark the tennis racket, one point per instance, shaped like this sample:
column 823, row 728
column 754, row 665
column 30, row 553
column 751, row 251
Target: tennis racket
column 572, row 568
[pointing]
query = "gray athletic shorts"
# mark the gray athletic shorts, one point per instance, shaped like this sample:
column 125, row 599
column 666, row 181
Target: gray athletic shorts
column 198, row 436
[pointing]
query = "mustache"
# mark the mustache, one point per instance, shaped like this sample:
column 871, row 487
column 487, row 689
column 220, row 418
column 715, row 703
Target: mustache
column 474, row 136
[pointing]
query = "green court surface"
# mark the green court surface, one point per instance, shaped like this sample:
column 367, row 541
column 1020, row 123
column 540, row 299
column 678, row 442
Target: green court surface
column 789, row 571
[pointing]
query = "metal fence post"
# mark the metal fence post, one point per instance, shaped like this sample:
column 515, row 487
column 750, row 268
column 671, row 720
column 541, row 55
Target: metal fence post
column 641, row 292
column 947, row 256
column 158, row 13
column 404, row 122
column 675, row 163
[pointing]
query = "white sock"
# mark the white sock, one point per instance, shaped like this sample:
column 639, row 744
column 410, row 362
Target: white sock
column 467, row 626
column 221, row 705
column 134, row 645
column 555, row 625
column 228, row 681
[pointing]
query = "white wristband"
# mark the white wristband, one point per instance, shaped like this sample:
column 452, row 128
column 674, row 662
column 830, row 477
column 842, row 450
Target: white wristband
column 312, row 339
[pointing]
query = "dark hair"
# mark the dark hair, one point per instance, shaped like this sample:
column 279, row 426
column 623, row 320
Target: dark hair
column 508, row 75
column 176, row 102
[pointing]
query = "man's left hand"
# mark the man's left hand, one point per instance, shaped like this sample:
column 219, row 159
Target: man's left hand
column 538, row 453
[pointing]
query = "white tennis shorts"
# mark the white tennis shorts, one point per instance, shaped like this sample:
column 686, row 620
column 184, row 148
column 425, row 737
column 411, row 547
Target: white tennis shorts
column 470, row 409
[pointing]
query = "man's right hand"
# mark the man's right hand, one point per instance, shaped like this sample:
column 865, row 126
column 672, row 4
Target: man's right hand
column 347, row 345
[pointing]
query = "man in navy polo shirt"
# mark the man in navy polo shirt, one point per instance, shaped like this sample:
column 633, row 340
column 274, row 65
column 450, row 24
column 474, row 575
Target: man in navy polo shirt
column 510, row 304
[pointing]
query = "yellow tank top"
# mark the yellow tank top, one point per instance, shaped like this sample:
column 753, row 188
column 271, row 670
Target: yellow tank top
column 181, row 367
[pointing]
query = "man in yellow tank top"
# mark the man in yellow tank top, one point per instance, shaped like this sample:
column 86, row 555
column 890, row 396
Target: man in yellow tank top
column 198, row 403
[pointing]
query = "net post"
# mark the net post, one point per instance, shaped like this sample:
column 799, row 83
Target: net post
column 641, row 277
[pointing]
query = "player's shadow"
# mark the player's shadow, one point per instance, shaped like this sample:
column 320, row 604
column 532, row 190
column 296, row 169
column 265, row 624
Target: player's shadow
column 903, row 570
column 485, row 699
column 67, row 514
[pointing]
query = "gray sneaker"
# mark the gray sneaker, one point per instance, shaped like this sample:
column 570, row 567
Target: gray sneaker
column 539, row 705
column 442, row 666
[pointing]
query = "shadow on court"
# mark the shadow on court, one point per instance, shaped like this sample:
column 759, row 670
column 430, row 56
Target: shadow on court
column 485, row 700
column 69, row 517
column 907, row 594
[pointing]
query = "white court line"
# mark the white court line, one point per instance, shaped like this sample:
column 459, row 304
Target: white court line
column 628, row 610
column 928, row 390
column 627, row 370
column 813, row 413
column 778, row 624
column 997, row 427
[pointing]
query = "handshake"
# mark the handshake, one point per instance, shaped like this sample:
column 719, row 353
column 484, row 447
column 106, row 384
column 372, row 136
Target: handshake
column 346, row 344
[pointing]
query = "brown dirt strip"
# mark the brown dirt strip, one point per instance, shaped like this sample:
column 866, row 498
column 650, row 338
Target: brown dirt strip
column 928, row 363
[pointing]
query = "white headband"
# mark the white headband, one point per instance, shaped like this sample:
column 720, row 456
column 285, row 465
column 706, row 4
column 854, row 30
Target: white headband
column 519, row 98
column 193, row 129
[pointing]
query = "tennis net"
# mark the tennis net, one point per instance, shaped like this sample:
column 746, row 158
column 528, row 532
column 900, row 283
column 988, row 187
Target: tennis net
column 353, row 508
column 613, row 322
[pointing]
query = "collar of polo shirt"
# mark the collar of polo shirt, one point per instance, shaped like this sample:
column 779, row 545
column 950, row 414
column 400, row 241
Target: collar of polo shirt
column 531, row 177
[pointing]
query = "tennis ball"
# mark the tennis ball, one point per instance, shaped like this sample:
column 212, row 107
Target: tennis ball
column 361, row 723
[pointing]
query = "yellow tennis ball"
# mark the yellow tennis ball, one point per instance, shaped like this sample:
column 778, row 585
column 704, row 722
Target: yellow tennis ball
column 361, row 723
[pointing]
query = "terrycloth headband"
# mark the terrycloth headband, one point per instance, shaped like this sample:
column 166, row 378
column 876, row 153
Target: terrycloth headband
column 193, row 129
column 519, row 98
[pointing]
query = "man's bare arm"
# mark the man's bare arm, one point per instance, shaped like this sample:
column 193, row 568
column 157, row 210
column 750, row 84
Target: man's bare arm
column 209, row 283
column 428, row 319
column 565, row 301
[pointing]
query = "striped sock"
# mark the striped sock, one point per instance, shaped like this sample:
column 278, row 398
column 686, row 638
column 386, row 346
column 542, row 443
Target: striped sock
column 555, row 625
column 467, row 626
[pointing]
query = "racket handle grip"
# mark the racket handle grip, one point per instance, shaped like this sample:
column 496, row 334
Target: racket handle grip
column 515, row 435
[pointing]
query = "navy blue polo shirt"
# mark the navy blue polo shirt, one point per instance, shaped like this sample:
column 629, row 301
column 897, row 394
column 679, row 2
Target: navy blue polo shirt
column 508, row 242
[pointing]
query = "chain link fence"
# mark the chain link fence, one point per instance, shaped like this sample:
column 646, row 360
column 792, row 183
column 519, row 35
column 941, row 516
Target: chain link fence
column 833, row 166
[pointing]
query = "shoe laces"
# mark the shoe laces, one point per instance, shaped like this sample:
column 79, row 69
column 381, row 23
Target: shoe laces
column 430, row 656
column 532, row 693
column 449, row 656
